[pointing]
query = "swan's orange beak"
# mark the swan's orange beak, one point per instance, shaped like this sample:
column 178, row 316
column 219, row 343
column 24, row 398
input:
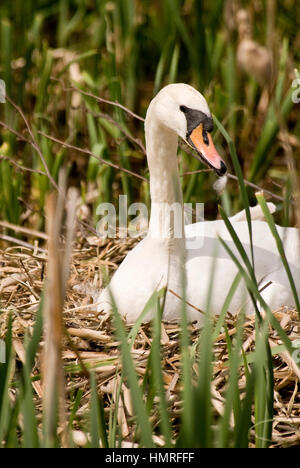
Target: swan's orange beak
column 202, row 142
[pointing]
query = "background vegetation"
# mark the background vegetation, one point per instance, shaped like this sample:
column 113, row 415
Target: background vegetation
column 126, row 51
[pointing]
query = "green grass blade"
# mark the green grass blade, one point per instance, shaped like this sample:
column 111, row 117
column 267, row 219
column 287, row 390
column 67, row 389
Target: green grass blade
column 226, row 305
column 232, row 400
column 34, row 342
column 141, row 414
column 158, row 377
column 264, row 389
column 243, row 422
column 5, row 380
column 242, row 253
column 151, row 305
column 98, row 425
column 256, row 295
column 280, row 247
column 242, row 186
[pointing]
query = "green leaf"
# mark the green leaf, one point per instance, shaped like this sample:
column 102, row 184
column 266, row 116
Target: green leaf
column 280, row 247
column 98, row 425
column 139, row 406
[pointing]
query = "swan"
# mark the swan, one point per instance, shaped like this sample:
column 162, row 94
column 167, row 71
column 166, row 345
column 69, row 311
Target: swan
column 163, row 259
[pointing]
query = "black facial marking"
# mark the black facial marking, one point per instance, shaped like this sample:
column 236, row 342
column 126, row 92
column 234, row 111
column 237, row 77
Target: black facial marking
column 194, row 118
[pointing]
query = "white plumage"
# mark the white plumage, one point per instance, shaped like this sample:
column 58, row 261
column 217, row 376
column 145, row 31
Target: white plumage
column 158, row 261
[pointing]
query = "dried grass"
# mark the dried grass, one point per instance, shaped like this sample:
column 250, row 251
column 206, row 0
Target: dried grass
column 21, row 283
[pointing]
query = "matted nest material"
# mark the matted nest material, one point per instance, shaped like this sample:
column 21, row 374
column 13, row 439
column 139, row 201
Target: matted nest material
column 22, row 274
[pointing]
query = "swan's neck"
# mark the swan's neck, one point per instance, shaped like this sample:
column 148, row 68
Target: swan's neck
column 166, row 220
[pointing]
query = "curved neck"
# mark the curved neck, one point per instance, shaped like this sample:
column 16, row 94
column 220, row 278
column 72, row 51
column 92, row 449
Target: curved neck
column 165, row 188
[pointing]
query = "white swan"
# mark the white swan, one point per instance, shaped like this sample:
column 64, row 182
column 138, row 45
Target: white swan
column 160, row 260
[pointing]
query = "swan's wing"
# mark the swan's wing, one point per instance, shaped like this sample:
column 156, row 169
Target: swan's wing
column 255, row 212
column 212, row 228
column 202, row 239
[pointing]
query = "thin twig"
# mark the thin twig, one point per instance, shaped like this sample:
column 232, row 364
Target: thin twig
column 33, row 142
column 90, row 153
column 200, row 171
column 20, row 243
column 14, row 132
column 256, row 187
column 186, row 302
column 99, row 99
column 23, row 230
column 129, row 137
column 22, row 168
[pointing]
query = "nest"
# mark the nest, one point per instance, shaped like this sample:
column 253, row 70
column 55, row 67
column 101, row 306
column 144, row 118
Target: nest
column 91, row 340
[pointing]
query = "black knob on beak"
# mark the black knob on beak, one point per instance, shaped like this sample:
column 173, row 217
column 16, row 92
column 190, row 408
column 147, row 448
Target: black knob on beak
column 222, row 170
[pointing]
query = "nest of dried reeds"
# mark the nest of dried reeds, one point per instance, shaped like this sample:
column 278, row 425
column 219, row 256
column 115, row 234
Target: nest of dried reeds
column 22, row 272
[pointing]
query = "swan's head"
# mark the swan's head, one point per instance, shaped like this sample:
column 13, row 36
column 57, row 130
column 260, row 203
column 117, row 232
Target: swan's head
column 182, row 109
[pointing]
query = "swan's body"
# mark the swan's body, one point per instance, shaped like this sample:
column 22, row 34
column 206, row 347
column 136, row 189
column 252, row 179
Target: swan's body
column 162, row 260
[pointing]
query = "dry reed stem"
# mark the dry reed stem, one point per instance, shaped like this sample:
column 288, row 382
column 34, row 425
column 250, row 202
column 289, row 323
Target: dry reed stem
column 57, row 275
